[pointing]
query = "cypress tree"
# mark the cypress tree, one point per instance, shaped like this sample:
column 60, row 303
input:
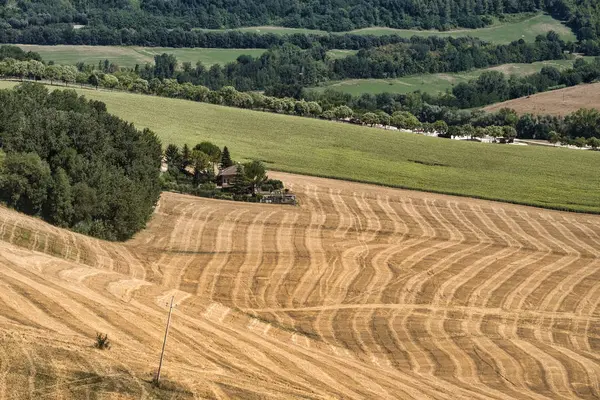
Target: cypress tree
column 240, row 184
column 226, row 158
column 186, row 154
column 173, row 156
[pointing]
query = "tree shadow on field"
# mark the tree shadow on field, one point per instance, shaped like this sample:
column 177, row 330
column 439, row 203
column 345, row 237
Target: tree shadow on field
column 167, row 389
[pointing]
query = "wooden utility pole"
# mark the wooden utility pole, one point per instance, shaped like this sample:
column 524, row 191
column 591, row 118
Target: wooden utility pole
column 162, row 353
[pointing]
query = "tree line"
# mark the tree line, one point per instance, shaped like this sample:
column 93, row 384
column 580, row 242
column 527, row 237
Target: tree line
column 367, row 109
column 444, row 55
column 162, row 37
column 419, row 109
column 66, row 160
column 490, row 87
column 281, row 70
column 493, row 86
column 291, row 65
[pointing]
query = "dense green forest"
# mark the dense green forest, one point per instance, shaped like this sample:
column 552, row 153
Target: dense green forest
column 325, row 14
column 172, row 23
column 68, row 161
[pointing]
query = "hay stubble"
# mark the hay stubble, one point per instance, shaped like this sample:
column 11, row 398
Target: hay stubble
column 360, row 292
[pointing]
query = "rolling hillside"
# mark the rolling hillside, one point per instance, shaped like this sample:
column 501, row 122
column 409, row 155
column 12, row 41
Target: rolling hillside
column 435, row 83
column 501, row 32
column 310, row 146
column 360, row 292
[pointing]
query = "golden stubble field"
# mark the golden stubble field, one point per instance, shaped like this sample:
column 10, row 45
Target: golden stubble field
column 555, row 102
column 360, row 292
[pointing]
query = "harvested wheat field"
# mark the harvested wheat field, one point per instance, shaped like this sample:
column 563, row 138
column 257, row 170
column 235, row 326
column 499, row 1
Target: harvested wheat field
column 556, row 102
column 359, row 292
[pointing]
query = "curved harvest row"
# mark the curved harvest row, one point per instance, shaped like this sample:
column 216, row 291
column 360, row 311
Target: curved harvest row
column 360, row 292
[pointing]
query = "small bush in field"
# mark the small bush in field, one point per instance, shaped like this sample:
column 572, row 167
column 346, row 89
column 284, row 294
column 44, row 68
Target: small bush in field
column 102, row 341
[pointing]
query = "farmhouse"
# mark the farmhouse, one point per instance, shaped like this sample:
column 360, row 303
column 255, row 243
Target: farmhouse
column 226, row 175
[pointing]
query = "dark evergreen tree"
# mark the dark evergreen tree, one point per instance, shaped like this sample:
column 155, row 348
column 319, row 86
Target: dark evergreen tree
column 226, row 158
column 241, row 185
column 186, row 156
column 173, row 156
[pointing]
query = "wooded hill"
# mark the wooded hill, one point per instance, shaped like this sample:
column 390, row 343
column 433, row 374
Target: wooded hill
column 65, row 159
column 325, row 15
column 175, row 23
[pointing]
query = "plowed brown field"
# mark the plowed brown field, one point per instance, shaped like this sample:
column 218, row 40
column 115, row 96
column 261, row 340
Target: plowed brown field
column 556, row 102
column 360, row 292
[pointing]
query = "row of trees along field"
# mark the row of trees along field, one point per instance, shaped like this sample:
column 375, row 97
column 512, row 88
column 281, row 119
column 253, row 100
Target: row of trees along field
column 206, row 39
column 65, row 159
column 291, row 65
column 366, row 109
column 490, row 87
column 444, row 55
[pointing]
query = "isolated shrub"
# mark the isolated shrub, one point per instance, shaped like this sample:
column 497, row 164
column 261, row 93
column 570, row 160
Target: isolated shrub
column 102, row 341
column 208, row 186
column 271, row 184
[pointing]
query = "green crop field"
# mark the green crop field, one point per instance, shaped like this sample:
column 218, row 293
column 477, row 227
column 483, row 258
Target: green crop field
column 536, row 175
column 525, row 27
column 128, row 56
column 434, row 83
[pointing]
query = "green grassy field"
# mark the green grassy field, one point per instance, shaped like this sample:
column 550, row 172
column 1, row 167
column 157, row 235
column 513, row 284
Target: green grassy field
column 551, row 177
column 131, row 55
column 434, row 83
column 334, row 54
column 526, row 27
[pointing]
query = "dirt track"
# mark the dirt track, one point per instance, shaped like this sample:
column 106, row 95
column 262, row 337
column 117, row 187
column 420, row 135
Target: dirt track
column 556, row 102
column 361, row 292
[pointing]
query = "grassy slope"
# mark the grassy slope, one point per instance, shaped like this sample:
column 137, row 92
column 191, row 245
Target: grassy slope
column 434, row 83
column 131, row 55
column 541, row 176
column 128, row 56
column 527, row 28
